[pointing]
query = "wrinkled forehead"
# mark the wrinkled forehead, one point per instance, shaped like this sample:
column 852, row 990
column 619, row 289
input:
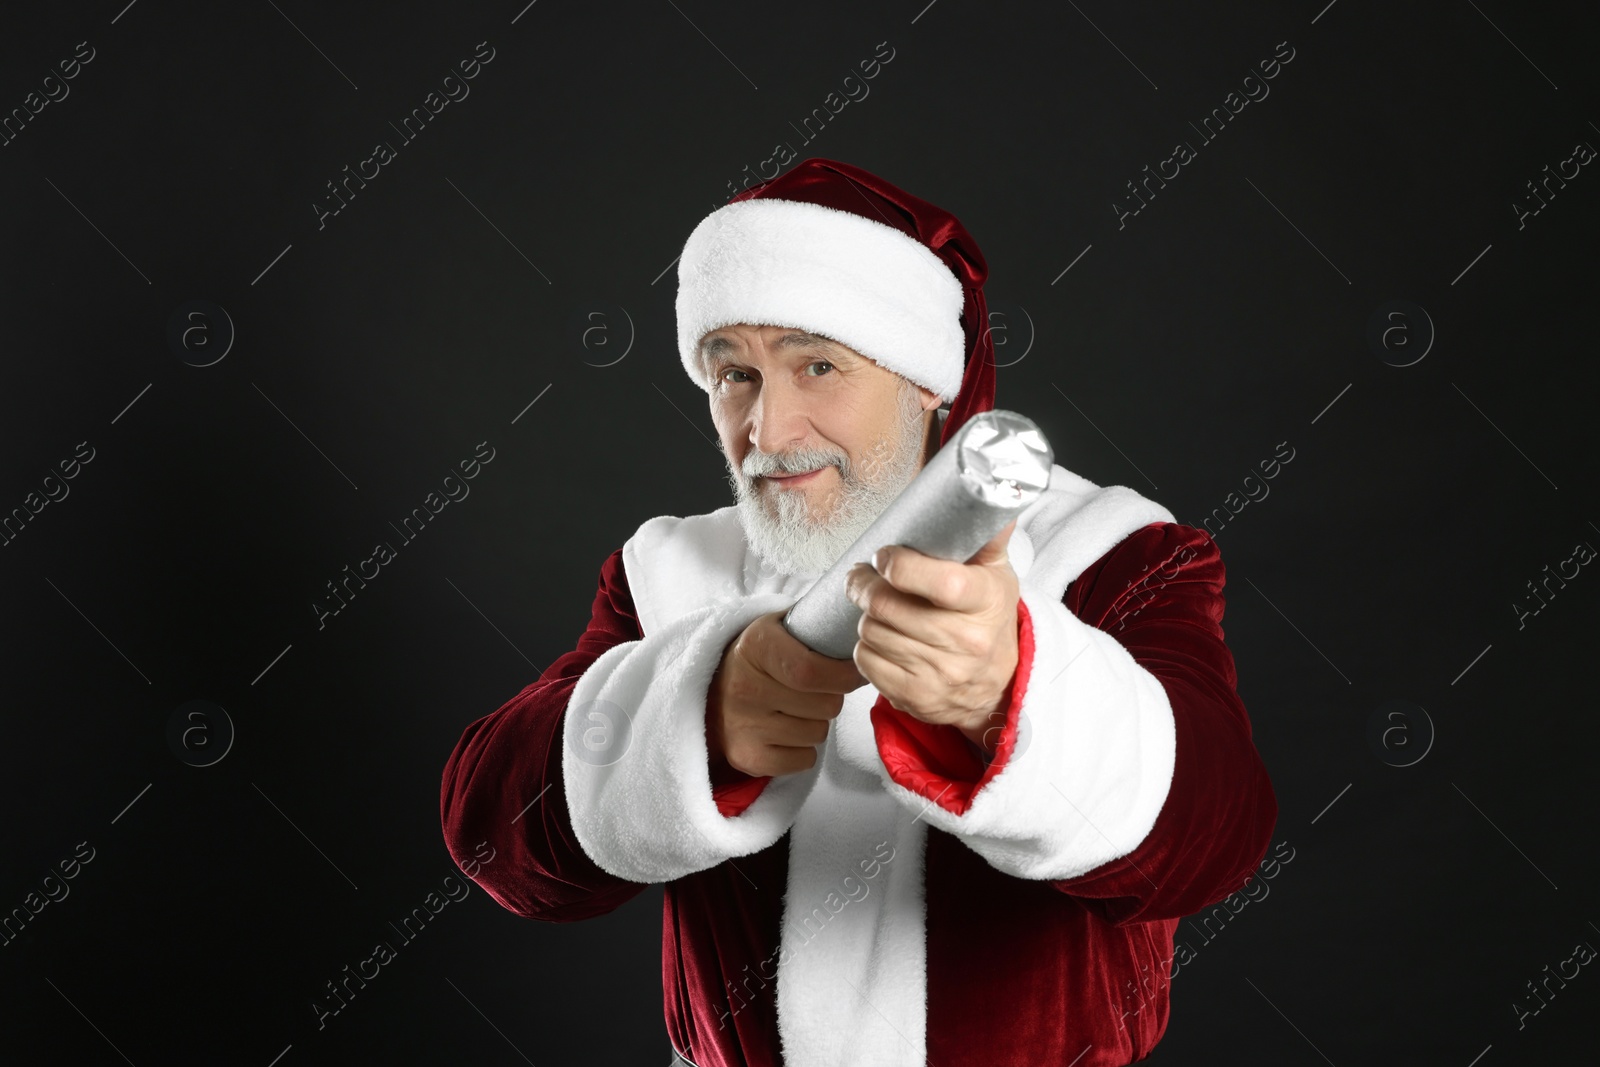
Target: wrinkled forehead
column 721, row 341
column 719, row 346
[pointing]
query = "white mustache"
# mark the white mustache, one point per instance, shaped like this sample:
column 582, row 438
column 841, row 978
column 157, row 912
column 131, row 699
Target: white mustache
column 760, row 464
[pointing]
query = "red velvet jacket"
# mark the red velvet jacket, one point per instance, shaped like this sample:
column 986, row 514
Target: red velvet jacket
column 1019, row 972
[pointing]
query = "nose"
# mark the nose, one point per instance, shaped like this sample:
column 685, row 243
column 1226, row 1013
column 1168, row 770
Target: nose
column 780, row 420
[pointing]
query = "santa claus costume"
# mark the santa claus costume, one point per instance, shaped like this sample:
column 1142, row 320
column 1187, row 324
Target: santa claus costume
column 905, row 901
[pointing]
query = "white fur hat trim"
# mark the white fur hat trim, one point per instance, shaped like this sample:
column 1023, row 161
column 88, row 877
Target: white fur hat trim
column 862, row 283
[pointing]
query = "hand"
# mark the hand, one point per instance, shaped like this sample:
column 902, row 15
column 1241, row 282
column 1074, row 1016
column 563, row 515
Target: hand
column 772, row 698
column 938, row 637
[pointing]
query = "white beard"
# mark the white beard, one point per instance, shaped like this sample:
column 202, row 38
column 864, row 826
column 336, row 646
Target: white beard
column 788, row 533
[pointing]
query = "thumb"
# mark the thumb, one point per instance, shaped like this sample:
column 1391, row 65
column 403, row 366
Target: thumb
column 996, row 550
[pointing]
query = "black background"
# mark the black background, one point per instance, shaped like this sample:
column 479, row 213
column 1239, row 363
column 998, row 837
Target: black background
column 376, row 351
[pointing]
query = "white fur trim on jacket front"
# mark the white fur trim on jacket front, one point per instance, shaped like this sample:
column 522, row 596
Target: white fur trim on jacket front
column 862, row 283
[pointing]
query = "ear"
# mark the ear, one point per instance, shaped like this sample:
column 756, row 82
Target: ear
column 929, row 398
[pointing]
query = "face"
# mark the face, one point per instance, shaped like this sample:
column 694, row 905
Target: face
column 818, row 439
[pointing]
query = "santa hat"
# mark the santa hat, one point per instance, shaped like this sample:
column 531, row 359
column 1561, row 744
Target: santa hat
column 837, row 251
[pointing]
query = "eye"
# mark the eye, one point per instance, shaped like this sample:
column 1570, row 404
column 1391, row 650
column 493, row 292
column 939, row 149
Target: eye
column 820, row 363
column 723, row 377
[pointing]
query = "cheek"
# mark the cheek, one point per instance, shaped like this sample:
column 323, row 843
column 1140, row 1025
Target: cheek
column 841, row 429
column 875, row 451
column 726, row 424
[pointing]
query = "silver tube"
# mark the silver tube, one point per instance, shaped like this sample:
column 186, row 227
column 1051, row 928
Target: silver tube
column 996, row 465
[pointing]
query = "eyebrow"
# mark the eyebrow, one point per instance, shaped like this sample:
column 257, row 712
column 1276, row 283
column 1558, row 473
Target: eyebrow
column 714, row 348
column 802, row 339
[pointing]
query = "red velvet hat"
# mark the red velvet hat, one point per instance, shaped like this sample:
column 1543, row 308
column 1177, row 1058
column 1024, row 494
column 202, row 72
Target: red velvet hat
column 835, row 250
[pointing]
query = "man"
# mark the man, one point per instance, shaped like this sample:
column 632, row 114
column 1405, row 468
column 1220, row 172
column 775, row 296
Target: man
column 972, row 842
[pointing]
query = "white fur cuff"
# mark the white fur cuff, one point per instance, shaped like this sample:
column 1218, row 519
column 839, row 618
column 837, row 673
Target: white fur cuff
column 634, row 754
column 1094, row 759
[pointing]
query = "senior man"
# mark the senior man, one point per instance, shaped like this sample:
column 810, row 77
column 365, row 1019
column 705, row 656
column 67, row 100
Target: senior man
column 972, row 842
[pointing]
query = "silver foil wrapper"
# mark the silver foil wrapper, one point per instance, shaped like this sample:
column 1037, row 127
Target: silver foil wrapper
column 996, row 465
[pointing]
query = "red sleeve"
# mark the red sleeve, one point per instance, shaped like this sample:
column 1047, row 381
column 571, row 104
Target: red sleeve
column 936, row 760
column 734, row 790
column 508, row 758
column 1159, row 593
